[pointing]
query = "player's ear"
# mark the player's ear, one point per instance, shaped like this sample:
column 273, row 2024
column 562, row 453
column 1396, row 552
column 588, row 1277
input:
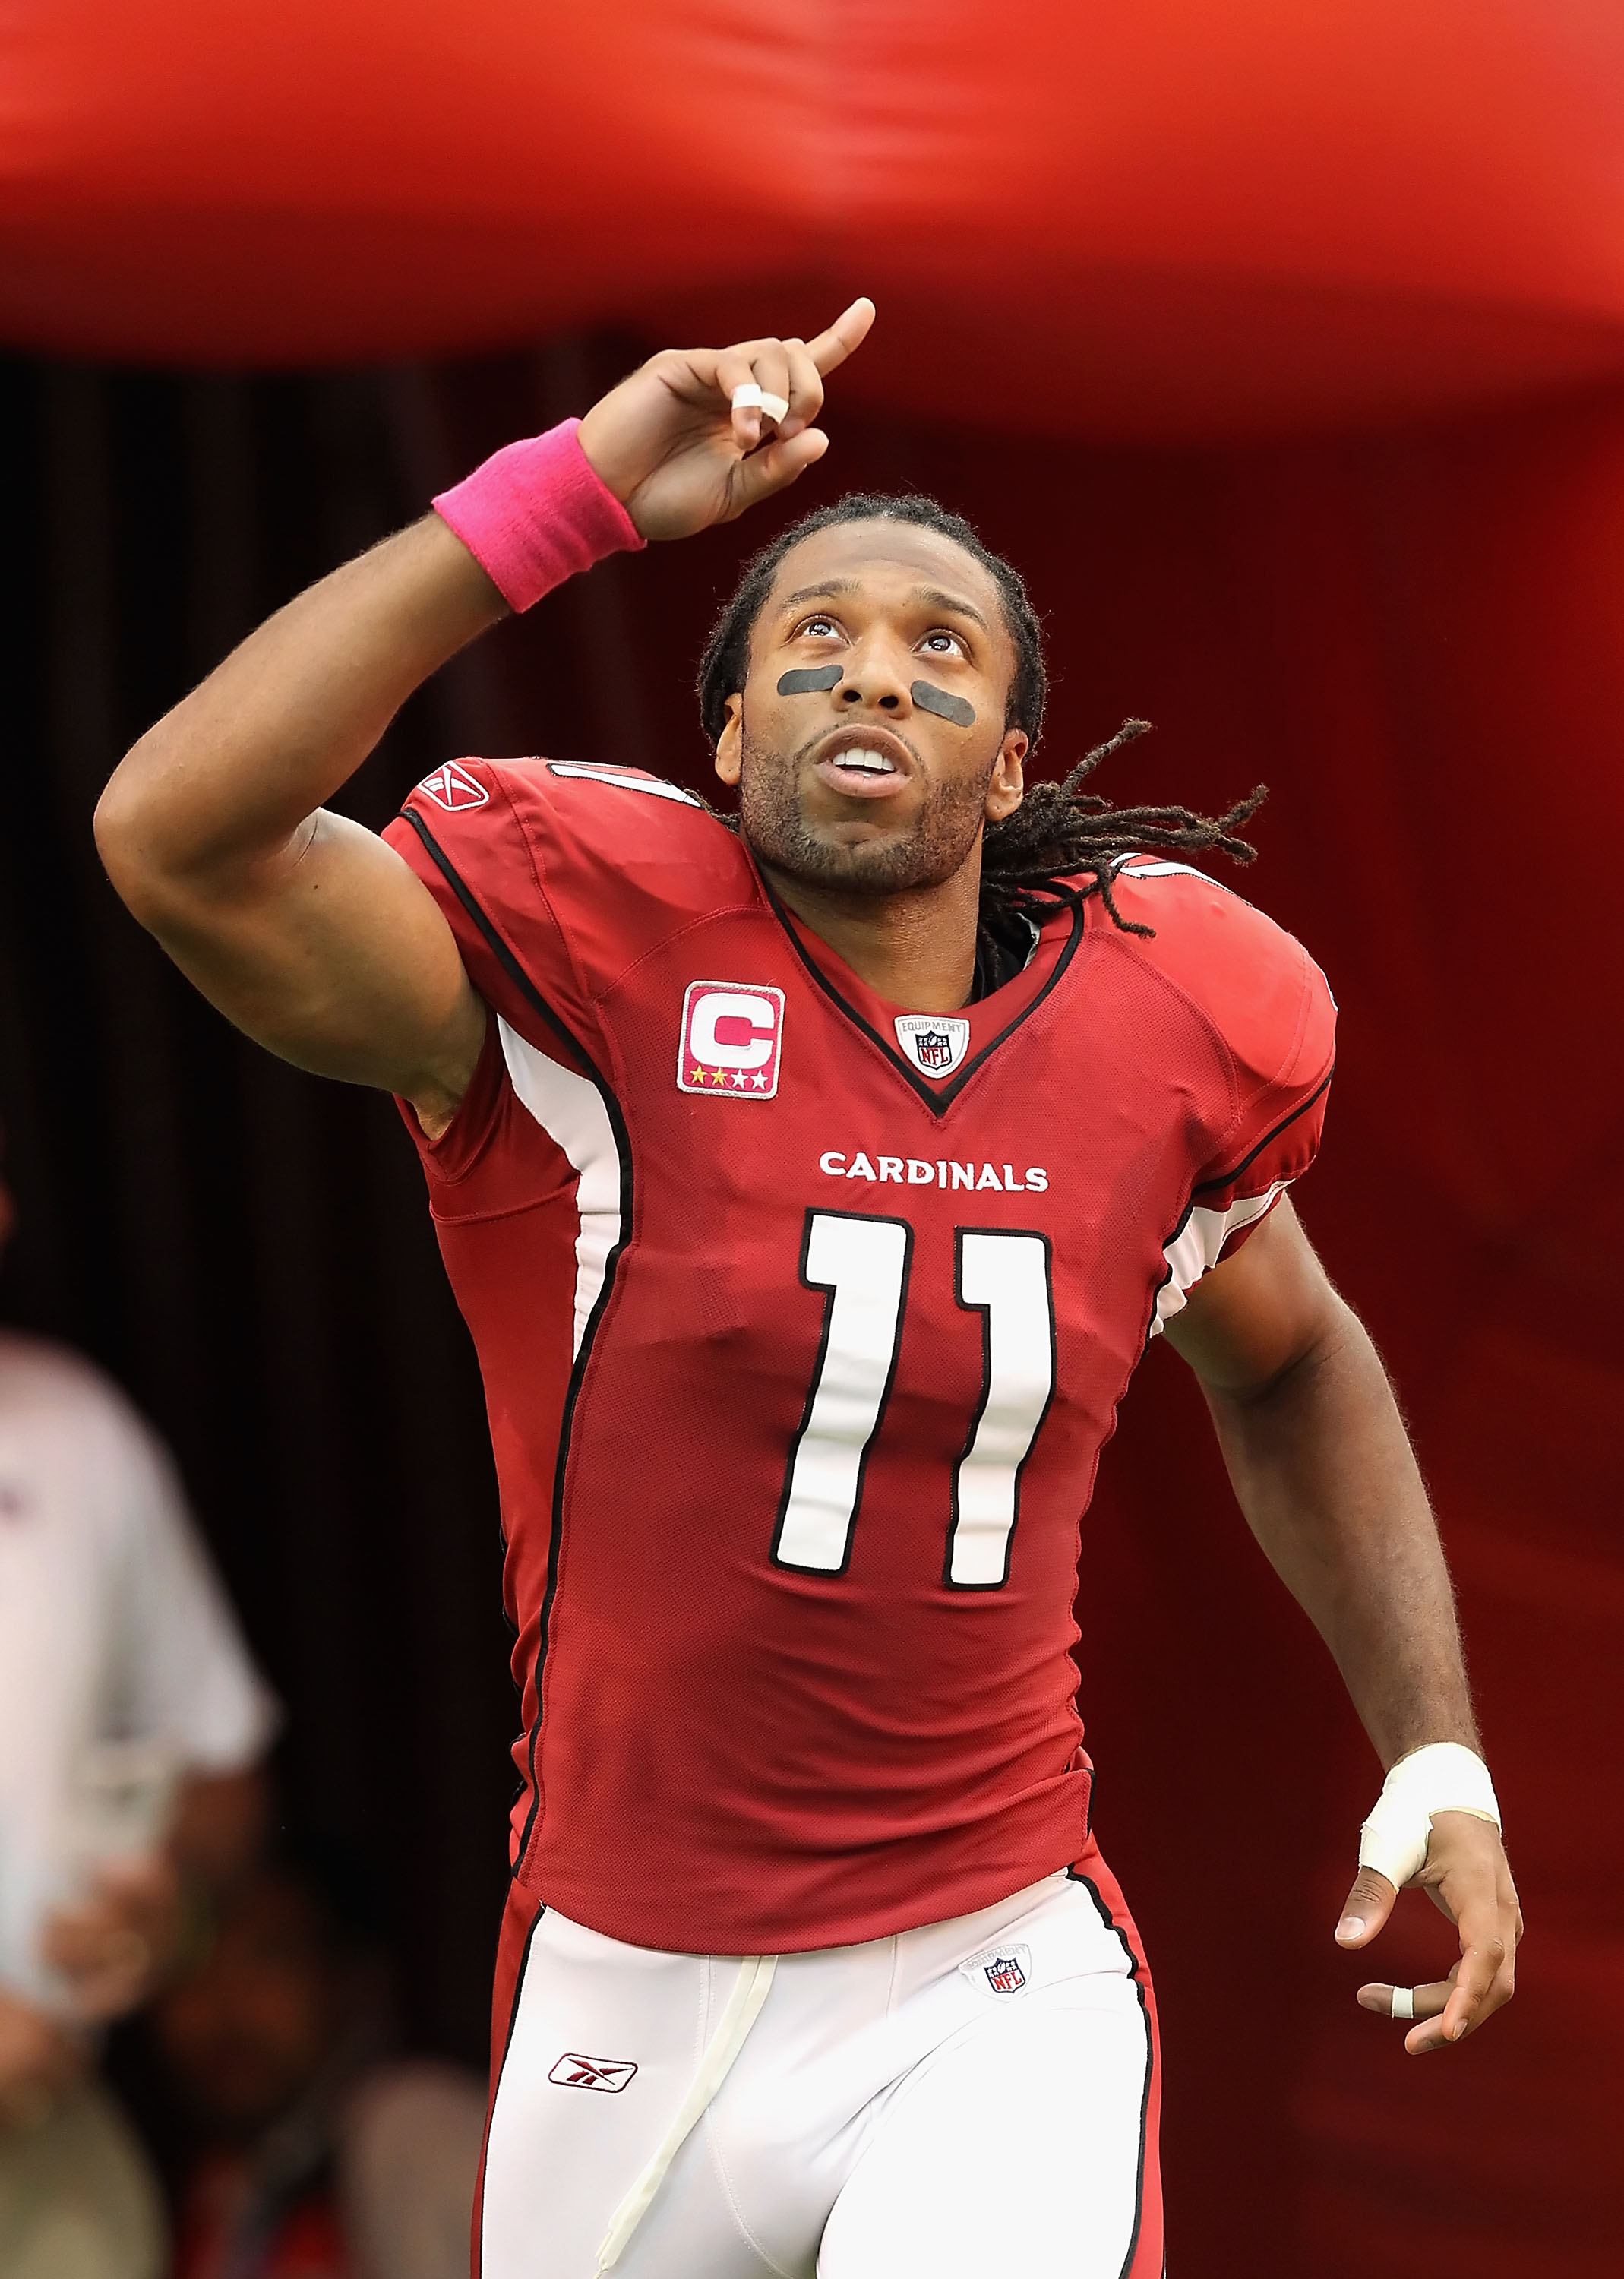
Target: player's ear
column 1007, row 788
column 730, row 743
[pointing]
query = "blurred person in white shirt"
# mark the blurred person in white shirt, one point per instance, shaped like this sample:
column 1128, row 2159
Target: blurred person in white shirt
column 132, row 1726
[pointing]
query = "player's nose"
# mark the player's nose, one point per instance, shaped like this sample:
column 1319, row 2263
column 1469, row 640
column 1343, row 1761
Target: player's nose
column 878, row 681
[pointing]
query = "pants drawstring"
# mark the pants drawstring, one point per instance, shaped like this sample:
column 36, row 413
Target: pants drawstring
column 742, row 2009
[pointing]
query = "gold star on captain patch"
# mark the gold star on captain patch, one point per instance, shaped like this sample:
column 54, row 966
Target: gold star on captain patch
column 718, row 1076
column 698, row 1076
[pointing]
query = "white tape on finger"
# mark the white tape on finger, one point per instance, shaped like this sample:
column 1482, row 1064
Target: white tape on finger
column 747, row 396
column 1404, row 2002
column 1442, row 1777
column 774, row 406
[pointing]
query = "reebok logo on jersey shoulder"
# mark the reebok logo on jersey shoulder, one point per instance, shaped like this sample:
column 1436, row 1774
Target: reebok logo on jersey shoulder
column 453, row 787
column 731, row 1036
column 609, row 2074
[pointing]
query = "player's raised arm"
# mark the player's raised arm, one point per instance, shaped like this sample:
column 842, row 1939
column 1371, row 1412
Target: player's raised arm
column 306, row 930
column 1322, row 1468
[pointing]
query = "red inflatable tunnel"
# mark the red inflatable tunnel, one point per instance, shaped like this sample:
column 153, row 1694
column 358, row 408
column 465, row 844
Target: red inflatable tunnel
column 1084, row 217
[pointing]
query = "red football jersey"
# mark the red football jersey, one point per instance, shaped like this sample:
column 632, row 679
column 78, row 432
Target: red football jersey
column 804, row 1320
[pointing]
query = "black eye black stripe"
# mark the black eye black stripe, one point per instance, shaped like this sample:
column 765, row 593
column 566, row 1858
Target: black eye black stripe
column 929, row 698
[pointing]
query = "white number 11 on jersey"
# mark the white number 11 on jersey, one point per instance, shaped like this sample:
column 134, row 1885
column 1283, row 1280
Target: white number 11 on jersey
column 863, row 1264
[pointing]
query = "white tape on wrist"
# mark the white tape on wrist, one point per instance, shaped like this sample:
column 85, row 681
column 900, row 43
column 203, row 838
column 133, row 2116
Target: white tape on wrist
column 1442, row 1777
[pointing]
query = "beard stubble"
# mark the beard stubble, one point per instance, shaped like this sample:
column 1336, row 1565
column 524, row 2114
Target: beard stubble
column 941, row 841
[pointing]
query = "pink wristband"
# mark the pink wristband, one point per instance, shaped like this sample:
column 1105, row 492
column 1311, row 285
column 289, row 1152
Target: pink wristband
column 536, row 513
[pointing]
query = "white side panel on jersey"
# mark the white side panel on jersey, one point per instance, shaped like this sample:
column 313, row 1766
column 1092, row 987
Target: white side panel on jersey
column 1006, row 1275
column 863, row 1261
column 1198, row 1247
column 625, row 783
column 570, row 1110
column 1130, row 868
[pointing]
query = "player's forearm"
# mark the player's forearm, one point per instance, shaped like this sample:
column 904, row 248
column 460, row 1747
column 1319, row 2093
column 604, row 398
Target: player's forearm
column 1323, row 1470
column 226, row 780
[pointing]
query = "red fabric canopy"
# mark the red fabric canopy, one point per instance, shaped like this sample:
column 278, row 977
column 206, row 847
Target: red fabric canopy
column 1163, row 216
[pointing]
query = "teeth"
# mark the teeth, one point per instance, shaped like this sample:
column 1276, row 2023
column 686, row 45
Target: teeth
column 863, row 757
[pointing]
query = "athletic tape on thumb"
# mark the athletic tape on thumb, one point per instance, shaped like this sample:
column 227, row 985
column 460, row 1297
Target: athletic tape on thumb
column 1442, row 1777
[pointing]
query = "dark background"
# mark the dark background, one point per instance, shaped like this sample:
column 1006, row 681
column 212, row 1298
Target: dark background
column 1413, row 637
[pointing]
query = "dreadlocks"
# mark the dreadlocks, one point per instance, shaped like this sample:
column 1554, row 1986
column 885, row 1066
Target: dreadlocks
column 1059, row 833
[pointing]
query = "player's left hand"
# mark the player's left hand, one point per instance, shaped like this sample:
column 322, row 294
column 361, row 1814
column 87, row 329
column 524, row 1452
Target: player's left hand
column 110, row 1948
column 1468, row 1878
column 680, row 455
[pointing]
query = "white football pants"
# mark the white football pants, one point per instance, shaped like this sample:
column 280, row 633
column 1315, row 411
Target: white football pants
column 970, row 2101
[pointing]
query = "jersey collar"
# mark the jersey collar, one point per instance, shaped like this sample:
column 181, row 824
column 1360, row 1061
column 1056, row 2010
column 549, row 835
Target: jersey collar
column 992, row 1018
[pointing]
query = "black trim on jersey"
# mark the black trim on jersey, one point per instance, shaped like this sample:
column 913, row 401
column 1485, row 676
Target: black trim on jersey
column 866, row 1218
column 937, row 1097
column 513, row 2011
column 1224, row 1178
column 971, row 1306
column 534, row 998
column 504, row 957
column 1135, row 1972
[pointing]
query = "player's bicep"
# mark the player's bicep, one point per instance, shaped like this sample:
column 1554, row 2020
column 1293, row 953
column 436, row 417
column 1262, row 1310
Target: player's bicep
column 334, row 955
column 1257, row 1311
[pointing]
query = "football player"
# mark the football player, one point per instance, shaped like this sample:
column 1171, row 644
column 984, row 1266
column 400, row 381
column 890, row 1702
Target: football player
column 812, row 1181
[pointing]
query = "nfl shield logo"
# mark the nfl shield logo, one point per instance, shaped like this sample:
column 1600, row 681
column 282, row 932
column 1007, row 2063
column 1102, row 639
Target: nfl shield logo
column 1005, row 1974
column 935, row 1043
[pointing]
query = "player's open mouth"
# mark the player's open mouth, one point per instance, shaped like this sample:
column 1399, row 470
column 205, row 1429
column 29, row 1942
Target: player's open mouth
column 865, row 763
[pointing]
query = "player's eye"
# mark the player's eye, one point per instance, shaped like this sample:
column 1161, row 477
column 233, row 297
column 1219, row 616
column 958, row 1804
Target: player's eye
column 940, row 642
column 819, row 628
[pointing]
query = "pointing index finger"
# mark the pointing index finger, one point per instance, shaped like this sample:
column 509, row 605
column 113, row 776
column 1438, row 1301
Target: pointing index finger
column 1480, row 1967
column 849, row 332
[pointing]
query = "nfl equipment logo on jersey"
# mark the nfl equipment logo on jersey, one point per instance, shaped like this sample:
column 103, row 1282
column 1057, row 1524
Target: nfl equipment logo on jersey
column 1005, row 1974
column 935, row 1042
column 731, row 1035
